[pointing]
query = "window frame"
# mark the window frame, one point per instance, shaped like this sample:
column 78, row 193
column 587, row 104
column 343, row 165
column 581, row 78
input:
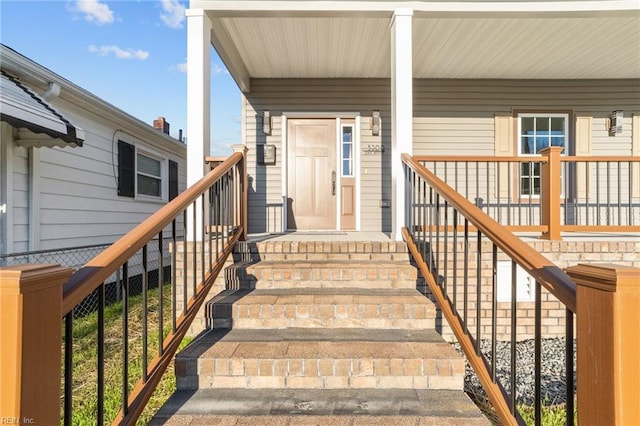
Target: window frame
column 128, row 172
column 568, row 145
column 351, row 159
column 163, row 178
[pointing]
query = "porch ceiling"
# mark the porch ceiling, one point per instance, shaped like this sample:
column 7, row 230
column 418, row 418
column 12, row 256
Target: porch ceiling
column 517, row 40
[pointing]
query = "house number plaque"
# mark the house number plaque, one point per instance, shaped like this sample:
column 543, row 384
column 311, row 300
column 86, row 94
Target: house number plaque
column 373, row 149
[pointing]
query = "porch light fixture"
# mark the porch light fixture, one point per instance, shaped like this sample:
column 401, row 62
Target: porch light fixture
column 375, row 123
column 266, row 122
column 615, row 122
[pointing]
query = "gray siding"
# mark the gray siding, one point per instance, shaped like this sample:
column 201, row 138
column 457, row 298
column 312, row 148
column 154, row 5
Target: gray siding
column 457, row 116
column 451, row 117
column 304, row 96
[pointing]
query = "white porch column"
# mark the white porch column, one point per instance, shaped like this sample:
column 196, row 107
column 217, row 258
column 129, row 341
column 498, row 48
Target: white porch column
column 198, row 98
column 401, row 110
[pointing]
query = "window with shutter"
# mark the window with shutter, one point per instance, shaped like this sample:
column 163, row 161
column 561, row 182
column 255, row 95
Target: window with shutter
column 173, row 180
column 126, row 169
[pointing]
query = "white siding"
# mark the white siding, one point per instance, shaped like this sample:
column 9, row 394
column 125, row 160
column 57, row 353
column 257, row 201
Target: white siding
column 78, row 199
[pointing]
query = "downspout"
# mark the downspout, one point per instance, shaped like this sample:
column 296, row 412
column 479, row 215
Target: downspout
column 52, row 92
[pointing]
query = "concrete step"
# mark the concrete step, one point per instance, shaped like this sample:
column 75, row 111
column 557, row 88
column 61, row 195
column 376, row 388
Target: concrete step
column 322, row 250
column 320, row 359
column 321, row 308
column 288, row 274
column 284, row 407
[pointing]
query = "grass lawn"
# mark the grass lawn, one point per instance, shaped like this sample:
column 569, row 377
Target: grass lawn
column 85, row 358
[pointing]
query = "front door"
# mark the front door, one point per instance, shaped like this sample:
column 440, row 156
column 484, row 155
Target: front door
column 311, row 174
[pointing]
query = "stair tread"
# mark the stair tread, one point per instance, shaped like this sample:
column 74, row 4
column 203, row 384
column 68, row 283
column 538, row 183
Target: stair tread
column 320, row 343
column 331, row 263
column 321, row 295
column 308, row 403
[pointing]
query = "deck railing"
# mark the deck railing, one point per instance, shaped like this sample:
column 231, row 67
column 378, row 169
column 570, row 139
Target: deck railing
column 203, row 224
column 458, row 247
column 551, row 193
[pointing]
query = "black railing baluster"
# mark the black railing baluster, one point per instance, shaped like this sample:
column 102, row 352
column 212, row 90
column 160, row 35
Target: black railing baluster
column 619, row 195
column 455, row 259
column 509, row 192
column 608, row 193
column 423, row 237
column 466, row 275
column 597, row 193
column 202, row 240
column 538, row 355
column 125, row 338
column 588, row 187
column 194, row 249
column 145, row 309
column 68, row 368
column 445, row 275
column 160, row 294
column 100, row 356
column 185, row 260
column 514, row 318
column 478, row 290
column 569, row 367
column 437, row 248
column 494, row 310
column 174, row 273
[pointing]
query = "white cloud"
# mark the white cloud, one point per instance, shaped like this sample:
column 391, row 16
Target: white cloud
column 119, row 53
column 94, row 11
column 182, row 67
column 172, row 13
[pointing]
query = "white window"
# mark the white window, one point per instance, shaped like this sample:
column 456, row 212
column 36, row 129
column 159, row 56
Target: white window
column 148, row 175
column 536, row 132
column 347, row 151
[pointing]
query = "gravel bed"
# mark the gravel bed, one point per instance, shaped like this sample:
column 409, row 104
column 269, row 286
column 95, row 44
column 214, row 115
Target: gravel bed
column 553, row 389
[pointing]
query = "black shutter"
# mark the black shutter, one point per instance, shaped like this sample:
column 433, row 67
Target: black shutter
column 173, row 180
column 126, row 169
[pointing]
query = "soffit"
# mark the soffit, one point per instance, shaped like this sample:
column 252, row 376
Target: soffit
column 445, row 45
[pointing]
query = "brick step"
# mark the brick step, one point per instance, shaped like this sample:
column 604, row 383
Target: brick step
column 324, row 308
column 320, row 407
column 321, row 274
column 322, row 250
column 320, row 359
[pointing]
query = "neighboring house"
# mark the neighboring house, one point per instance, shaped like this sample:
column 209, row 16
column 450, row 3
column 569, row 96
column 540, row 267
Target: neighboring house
column 338, row 90
column 74, row 169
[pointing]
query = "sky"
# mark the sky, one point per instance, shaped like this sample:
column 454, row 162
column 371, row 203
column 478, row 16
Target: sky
column 130, row 53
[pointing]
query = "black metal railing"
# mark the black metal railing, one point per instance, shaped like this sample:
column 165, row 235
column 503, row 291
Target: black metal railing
column 128, row 344
column 596, row 193
column 461, row 252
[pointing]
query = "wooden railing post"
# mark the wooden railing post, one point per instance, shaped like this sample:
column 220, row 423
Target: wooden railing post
column 243, row 214
column 30, row 342
column 608, row 319
column 550, row 192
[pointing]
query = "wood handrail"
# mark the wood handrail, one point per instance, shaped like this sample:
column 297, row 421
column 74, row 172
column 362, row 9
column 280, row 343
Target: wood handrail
column 524, row 159
column 86, row 279
column 536, row 265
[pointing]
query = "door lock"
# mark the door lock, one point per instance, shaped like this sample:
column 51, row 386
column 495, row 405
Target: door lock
column 333, row 182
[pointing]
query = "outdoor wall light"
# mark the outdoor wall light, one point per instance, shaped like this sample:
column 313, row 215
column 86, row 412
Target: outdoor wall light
column 376, row 123
column 615, row 122
column 266, row 122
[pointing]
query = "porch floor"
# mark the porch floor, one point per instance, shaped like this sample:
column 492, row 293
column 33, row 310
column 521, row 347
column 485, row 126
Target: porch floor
column 321, row 236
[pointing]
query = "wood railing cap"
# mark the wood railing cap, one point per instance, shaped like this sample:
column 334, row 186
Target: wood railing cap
column 607, row 277
column 33, row 277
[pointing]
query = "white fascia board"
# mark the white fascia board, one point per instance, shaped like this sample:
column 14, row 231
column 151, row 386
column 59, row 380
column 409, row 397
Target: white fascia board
column 34, row 74
column 242, row 8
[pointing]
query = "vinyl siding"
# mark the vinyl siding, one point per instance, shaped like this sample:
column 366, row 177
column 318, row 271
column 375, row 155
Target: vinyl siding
column 305, row 96
column 451, row 117
column 78, row 199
